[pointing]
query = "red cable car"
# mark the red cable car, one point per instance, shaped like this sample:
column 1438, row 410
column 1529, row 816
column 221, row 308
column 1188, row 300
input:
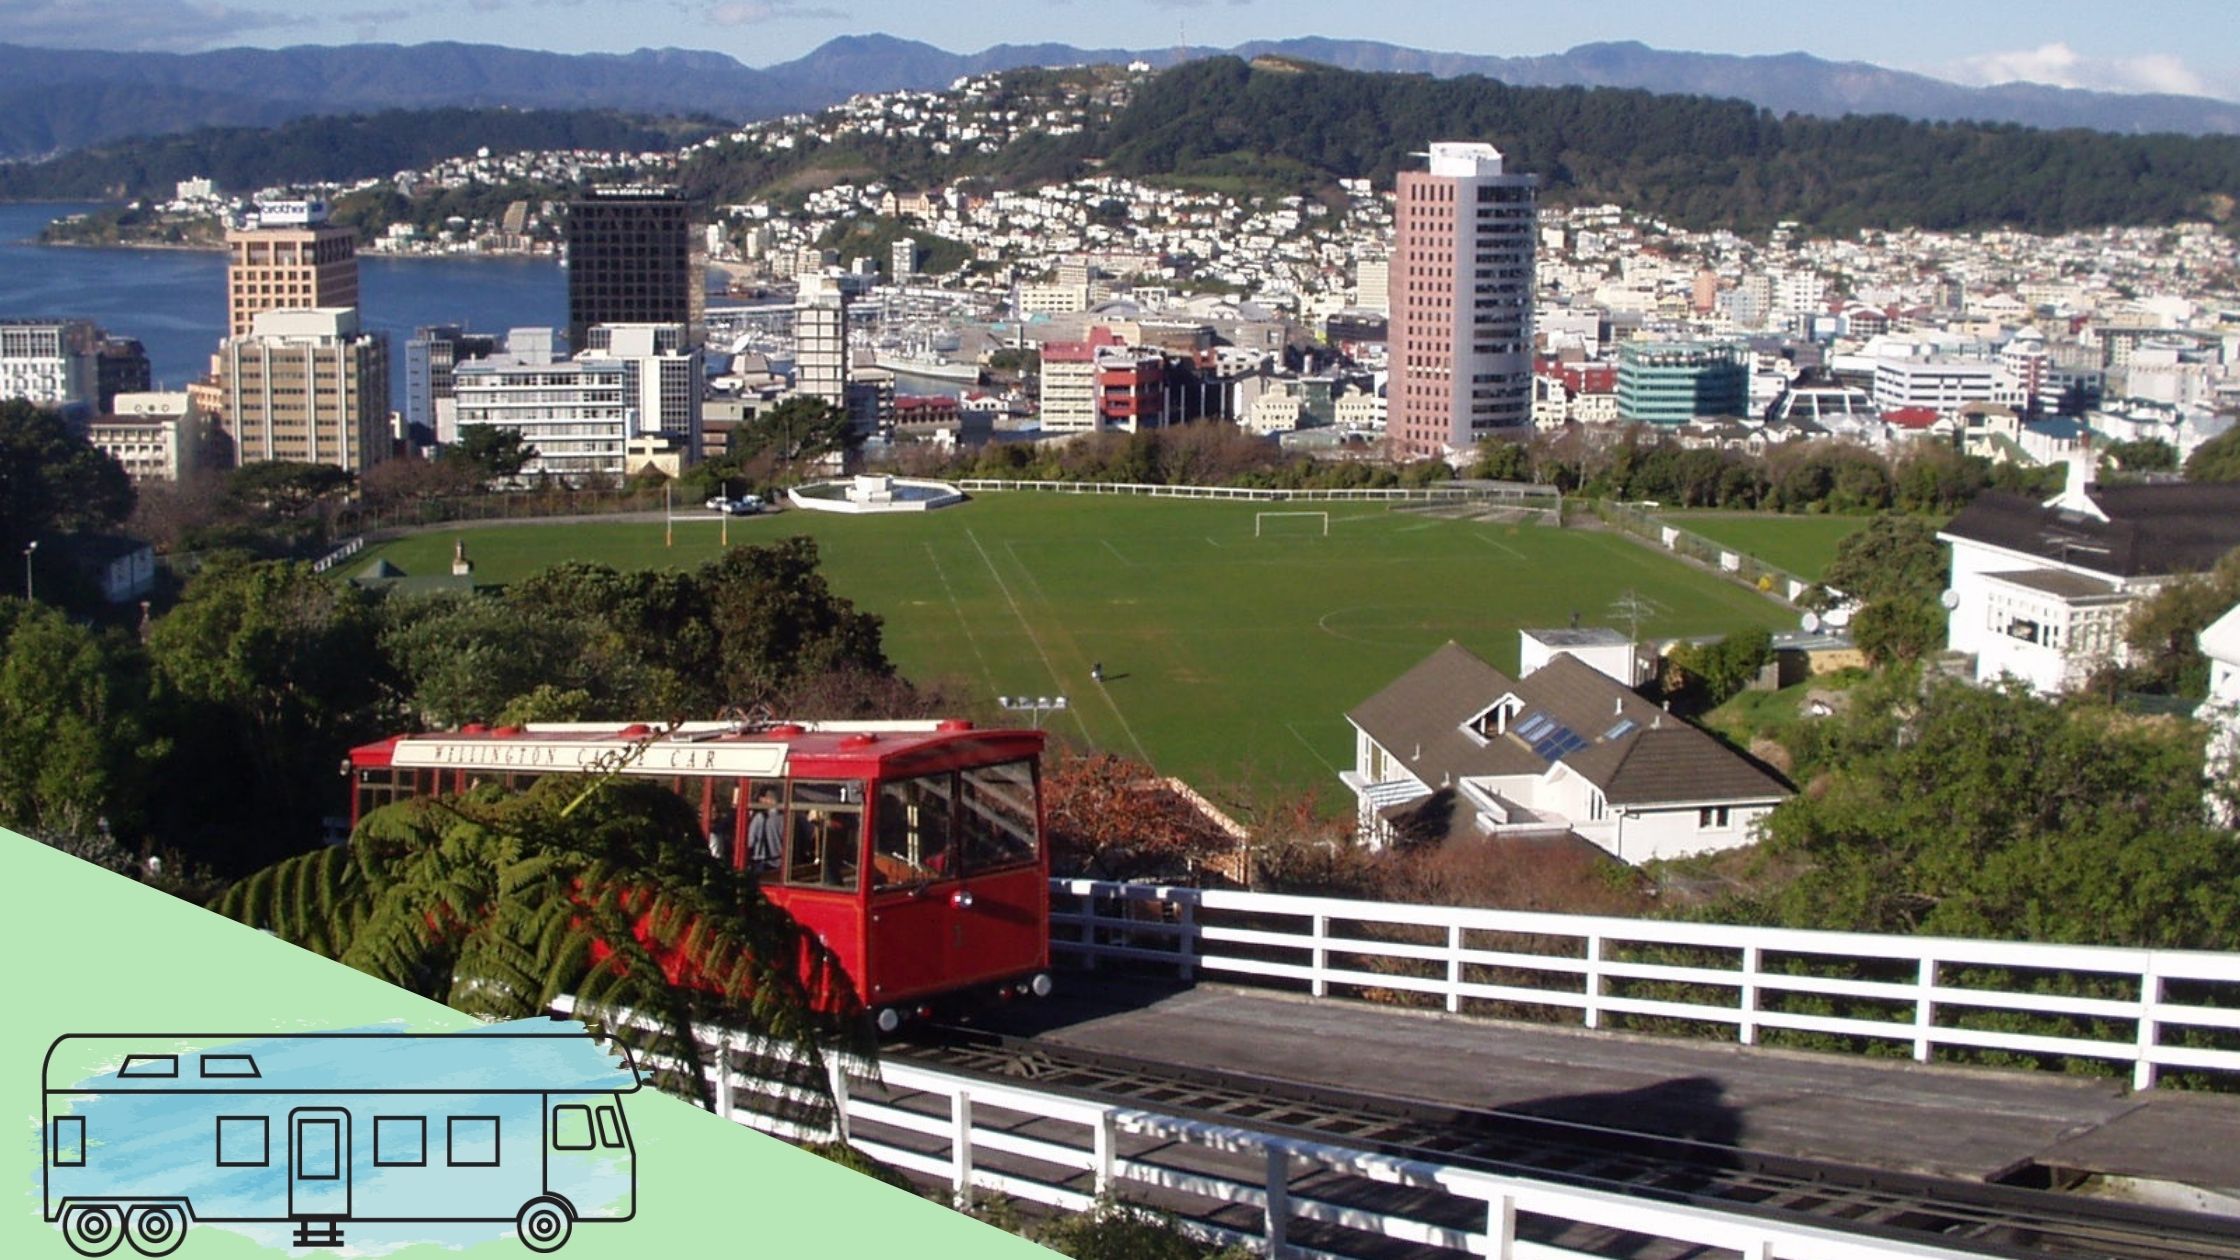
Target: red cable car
column 913, row 850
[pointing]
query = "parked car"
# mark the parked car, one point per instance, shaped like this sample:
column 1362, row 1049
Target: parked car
column 744, row 505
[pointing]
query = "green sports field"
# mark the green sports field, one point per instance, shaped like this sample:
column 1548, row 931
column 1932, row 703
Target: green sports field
column 1803, row 545
column 1229, row 659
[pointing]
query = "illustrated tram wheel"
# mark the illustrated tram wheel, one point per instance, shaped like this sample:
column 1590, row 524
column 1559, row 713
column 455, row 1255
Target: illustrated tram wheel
column 92, row 1229
column 156, row 1229
column 544, row 1224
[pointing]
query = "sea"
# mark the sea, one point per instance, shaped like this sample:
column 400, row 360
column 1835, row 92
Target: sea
column 174, row 301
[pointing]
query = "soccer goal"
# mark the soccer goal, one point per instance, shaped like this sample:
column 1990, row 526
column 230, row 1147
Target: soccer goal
column 1296, row 527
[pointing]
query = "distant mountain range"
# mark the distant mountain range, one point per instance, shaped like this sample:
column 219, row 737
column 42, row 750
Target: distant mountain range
column 61, row 99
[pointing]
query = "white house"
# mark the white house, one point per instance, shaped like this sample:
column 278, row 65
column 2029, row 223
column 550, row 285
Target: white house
column 2041, row 591
column 1455, row 748
column 2221, row 710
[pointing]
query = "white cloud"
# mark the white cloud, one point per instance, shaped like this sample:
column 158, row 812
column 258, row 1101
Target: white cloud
column 754, row 12
column 2059, row 65
column 133, row 25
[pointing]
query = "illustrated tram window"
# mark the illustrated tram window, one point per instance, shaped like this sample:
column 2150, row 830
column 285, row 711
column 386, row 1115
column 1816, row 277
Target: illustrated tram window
column 914, row 831
column 244, row 1142
column 571, row 1128
column 400, row 1140
column 69, row 1141
column 228, row 1065
column 473, row 1141
column 998, row 816
column 610, row 1129
column 824, row 834
column 150, row 1065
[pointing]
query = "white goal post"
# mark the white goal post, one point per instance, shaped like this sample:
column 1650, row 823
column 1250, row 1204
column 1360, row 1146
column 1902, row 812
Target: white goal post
column 1260, row 520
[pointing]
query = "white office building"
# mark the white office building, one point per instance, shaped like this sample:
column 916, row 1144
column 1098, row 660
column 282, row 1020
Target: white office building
column 54, row 363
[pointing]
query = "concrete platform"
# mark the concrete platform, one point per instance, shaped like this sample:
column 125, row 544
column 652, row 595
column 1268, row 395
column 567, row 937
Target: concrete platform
column 1980, row 1124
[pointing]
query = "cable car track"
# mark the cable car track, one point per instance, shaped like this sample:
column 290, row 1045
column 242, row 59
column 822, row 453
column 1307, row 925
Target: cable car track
column 2001, row 1220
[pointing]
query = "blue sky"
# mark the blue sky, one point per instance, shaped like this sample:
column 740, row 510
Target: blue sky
column 2155, row 45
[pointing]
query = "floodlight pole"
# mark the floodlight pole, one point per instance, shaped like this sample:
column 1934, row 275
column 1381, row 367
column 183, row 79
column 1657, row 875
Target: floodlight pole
column 1037, row 705
column 29, row 547
column 668, row 515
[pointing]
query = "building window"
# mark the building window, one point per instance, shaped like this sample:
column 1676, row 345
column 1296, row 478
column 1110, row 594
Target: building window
column 1712, row 818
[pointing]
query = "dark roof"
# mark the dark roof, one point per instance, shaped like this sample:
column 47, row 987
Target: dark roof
column 1572, row 713
column 2059, row 582
column 2151, row 529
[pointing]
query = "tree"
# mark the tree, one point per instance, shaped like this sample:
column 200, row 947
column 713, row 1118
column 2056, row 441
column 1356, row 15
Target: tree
column 285, row 488
column 265, row 674
column 1894, row 570
column 778, row 621
column 602, row 889
column 1712, row 673
column 74, row 705
column 52, row 480
column 1112, row 818
column 1964, row 811
column 2163, row 632
column 2217, row 459
column 2144, row 455
column 798, row 429
column 490, row 452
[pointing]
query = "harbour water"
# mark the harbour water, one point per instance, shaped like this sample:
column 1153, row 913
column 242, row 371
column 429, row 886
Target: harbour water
column 174, row 301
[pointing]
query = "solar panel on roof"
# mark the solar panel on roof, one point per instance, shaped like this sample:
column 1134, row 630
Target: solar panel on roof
column 1624, row 725
column 1556, row 742
column 1532, row 728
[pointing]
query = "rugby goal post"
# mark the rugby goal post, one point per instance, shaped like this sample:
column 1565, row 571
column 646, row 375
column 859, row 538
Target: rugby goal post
column 1260, row 521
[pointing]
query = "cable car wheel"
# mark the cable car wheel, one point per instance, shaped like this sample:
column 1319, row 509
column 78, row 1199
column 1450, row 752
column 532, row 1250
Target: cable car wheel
column 544, row 1224
column 92, row 1229
column 156, row 1229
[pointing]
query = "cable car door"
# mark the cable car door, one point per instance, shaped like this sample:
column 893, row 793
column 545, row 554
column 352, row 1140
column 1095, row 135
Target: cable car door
column 915, row 930
column 318, row 1162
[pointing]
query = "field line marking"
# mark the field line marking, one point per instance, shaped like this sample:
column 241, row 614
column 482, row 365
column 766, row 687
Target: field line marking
column 1216, row 542
column 1293, row 727
column 962, row 621
column 1500, row 545
column 1116, row 552
column 1024, row 624
column 1034, row 586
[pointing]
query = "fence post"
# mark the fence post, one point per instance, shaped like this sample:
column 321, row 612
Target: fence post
column 1747, row 1028
column 1594, row 982
column 837, row 1072
column 1320, row 984
column 1089, row 931
column 1924, row 1010
column 1454, row 968
column 2144, row 1072
column 723, row 1074
column 1107, row 1141
column 1279, row 1201
column 1186, row 939
column 1501, row 1227
column 960, row 1148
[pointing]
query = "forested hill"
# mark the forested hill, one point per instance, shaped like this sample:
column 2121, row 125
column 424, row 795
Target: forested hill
column 1696, row 161
column 332, row 149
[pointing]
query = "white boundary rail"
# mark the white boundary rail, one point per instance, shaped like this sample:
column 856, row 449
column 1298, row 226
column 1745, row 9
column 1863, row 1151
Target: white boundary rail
column 1538, row 498
column 1923, row 992
column 977, row 1135
column 339, row 554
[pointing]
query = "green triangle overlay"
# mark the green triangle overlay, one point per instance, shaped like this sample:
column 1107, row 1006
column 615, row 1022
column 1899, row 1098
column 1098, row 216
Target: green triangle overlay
column 92, row 951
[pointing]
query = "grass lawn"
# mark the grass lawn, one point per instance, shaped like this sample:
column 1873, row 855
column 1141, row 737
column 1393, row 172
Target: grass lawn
column 1803, row 545
column 1229, row 660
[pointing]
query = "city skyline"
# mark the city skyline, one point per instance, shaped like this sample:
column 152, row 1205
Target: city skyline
column 2181, row 46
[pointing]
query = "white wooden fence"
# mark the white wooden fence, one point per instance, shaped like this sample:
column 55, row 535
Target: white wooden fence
column 1925, row 992
column 1541, row 497
column 339, row 554
column 1070, row 1153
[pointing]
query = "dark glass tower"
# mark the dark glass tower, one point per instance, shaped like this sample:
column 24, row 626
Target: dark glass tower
column 635, row 256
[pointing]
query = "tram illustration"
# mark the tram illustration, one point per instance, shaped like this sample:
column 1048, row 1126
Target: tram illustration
column 913, row 850
column 521, row 1122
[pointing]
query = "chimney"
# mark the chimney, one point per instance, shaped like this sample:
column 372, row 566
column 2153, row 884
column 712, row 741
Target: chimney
column 2083, row 464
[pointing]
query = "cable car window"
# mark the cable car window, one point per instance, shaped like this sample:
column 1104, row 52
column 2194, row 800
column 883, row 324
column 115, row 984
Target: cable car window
column 997, row 821
column 228, row 1065
column 318, row 1150
column 824, row 835
column 244, row 1142
column 400, row 1140
column 610, row 1129
column 571, row 1128
column 150, row 1065
column 473, row 1141
column 913, row 831
column 69, row 1141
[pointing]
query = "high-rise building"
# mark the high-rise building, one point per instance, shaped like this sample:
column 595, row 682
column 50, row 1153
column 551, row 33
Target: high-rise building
column 430, row 358
column 1461, row 285
column 292, row 260
column 121, row 367
column 307, row 386
column 1372, row 284
column 820, row 340
column 904, row 262
column 155, row 436
column 1676, row 382
column 635, row 256
column 52, row 362
column 580, row 415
